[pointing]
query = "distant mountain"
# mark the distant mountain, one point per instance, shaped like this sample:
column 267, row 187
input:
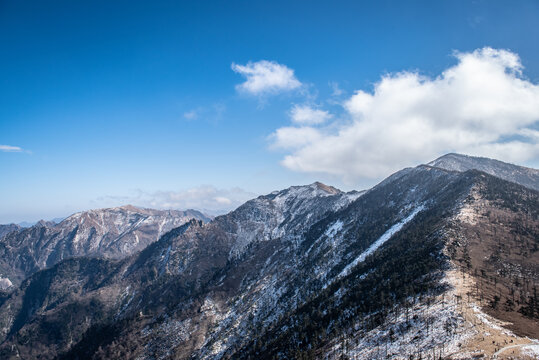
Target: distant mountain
column 6, row 229
column 430, row 263
column 112, row 233
column 27, row 224
column 518, row 174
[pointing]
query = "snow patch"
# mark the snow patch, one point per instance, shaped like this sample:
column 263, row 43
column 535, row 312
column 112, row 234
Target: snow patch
column 486, row 319
column 5, row 283
column 334, row 228
column 381, row 240
column 432, row 326
column 164, row 260
column 531, row 350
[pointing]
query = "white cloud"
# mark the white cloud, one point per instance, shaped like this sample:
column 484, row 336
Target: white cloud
column 190, row 115
column 209, row 113
column 294, row 137
column 306, row 115
column 206, row 198
column 336, row 90
column 9, row 148
column 481, row 106
column 223, row 200
column 266, row 77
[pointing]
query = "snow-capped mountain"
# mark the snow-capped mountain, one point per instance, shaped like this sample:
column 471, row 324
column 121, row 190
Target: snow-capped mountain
column 518, row 174
column 112, row 233
column 431, row 262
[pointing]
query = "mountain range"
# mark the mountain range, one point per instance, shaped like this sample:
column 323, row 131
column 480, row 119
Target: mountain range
column 106, row 233
column 436, row 261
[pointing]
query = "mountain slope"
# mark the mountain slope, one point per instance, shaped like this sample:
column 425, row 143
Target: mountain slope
column 8, row 228
column 374, row 311
column 411, row 268
column 298, row 242
column 182, row 266
column 114, row 233
column 518, row 174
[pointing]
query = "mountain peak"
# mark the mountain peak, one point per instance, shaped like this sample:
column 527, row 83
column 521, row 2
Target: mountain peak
column 129, row 207
column 44, row 223
column 518, row 174
column 315, row 189
column 327, row 188
column 456, row 159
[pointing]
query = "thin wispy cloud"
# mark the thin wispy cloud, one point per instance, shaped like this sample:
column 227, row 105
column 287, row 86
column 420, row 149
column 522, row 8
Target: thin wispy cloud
column 336, row 90
column 190, row 115
column 308, row 115
column 209, row 113
column 207, row 198
column 9, row 148
column 266, row 77
column 483, row 106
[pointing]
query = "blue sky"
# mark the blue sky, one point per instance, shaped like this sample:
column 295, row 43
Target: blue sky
column 104, row 103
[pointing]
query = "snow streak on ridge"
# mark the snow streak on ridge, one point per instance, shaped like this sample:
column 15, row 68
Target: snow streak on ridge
column 381, row 240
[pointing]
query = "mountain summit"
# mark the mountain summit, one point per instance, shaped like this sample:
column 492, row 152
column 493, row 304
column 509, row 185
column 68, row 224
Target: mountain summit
column 518, row 174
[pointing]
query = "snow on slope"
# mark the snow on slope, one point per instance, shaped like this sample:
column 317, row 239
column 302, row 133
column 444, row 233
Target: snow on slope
column 427, row 328
column 531, row 351
column 381, row 240
column 518, row 174
column 285, row 214
column 110, row 233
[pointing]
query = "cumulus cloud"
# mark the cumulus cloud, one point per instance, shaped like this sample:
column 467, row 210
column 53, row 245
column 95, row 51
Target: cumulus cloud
column 483, row 106
column 291, row 137
column 9, row 148
column 206, row 198
column 306, row 115
column 266, row 77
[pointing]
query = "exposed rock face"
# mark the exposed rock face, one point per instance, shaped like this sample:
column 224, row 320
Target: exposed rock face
column 111, row 233
column 306, row 272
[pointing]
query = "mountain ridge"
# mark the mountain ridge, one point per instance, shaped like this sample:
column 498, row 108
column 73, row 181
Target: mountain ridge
column 108, row 232
column 304, row 272
column 525, row 176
